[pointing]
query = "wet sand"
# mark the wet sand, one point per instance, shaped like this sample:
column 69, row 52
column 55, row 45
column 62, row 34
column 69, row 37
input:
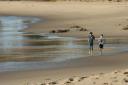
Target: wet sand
column 67, row 69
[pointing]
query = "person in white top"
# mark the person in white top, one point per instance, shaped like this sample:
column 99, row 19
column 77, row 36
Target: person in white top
column 101, row 41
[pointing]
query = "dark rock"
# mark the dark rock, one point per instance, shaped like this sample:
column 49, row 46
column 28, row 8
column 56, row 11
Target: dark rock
column 75, row 26
column 53, row 31
column 63, row 31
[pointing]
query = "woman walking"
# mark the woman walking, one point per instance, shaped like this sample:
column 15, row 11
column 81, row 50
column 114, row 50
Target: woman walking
column 101, row 43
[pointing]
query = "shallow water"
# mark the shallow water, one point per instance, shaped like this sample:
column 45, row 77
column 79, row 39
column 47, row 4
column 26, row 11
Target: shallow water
column 57, row 49
column 10, row 27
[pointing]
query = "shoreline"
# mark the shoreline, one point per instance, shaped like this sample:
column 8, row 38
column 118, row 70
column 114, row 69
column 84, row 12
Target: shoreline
column 113, row 46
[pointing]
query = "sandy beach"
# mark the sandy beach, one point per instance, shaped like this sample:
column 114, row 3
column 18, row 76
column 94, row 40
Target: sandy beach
column 97, row 17
column 107, row 18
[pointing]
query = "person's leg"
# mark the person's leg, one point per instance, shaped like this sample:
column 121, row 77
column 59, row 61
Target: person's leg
column 91, row 50
column 100, row 51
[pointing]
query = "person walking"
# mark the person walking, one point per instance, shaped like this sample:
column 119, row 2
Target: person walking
column 101, row 41
column 91, row 39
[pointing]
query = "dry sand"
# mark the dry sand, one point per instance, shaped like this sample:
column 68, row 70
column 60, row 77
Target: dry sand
column 106, row 18
column 113, row 78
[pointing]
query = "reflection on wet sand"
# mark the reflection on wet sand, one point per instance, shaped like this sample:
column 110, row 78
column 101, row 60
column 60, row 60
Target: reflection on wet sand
column 19, row 46
column 62, row 49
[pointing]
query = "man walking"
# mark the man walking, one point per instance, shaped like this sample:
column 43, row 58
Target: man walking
column 91, row 39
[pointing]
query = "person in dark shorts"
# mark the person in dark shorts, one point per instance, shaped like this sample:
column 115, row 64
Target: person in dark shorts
column 91, row 39
column 101, row 43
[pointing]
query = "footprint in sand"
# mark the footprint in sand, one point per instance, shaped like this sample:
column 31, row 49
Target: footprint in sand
column 48, row 79
column 116, row 72
column 113, row 77
column 126, row 73
column 115, row 81
column 126, row 80
column 43, row 84
column 94, row 82
column 50, row 83
column 97, row 78
column 101, row 73
column 70, row 81
column 82, row 78
column 53, row 83
column 105, row 83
